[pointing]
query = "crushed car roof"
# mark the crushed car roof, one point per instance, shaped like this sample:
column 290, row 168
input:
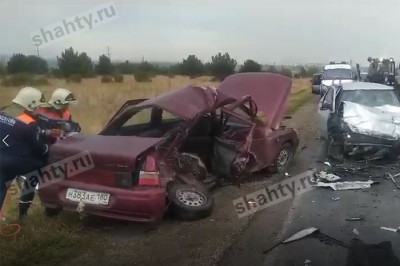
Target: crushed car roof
column 186, row 102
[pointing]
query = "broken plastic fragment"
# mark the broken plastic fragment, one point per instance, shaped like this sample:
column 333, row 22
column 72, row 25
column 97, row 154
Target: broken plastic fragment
column 390, row 229
column 307, row 262
column 336, row 199
column 327, row 163
column 326, row 177
column 301, row 234
column 355, row 231
column 347, row 185
column 360, row 218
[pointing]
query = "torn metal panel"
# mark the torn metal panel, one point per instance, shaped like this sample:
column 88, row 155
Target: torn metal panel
column 347, row 185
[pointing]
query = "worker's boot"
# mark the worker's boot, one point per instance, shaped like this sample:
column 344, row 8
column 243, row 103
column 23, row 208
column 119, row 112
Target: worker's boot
column 23, row 209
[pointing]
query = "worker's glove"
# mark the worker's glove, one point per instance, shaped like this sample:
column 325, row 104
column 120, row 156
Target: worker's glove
column 53, row 134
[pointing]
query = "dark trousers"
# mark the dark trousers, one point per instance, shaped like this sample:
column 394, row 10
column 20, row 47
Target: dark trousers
column 10, row 168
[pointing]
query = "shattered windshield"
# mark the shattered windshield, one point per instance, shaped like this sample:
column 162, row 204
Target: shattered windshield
column 371, row 98
column 338, row 73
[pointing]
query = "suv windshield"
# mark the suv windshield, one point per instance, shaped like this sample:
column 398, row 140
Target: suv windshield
column 371, row 98
column 337, row 73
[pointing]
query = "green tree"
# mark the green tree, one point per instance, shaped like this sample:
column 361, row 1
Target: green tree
column 250, row 66
column 222, row 65
column 71, row 63
column 303, row 72
column 192, row 66
column 286, row 72
column 17, row 64
column 36, row 65
column 125, row 67
column 3, row 68
column 104, row 66
column 272, row 69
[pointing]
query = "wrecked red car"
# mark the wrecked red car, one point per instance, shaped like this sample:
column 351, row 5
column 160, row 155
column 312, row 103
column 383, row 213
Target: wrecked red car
column 164, row 153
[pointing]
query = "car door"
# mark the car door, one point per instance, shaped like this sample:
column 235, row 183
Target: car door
column 325, row 108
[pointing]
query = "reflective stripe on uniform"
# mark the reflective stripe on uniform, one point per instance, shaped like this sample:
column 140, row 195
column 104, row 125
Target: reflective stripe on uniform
column 27, row 119
column 51, row 113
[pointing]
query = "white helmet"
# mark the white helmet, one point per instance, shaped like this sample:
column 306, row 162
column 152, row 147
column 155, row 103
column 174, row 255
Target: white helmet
column 29, row 98
column 62, row 97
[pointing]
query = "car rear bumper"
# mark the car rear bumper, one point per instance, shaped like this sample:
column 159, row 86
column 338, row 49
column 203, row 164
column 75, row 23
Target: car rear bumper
column 142, row 204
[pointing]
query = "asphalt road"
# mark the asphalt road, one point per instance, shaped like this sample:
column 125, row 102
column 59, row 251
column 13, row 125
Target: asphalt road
column 224, row 239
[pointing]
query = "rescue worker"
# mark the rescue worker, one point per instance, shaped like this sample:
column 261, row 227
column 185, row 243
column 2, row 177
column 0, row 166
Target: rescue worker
column 21, row 150
column 57, row 114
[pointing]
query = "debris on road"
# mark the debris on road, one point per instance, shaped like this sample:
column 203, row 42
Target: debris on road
column 286, row 174
column 355, row 231
column 327, row 163
column 336, row 199
column 307, row 262
column 304, row 147
column 299, row 235
column 395, row 230
column 389, row 176
column 352, row 219
column 347, row 185
column 322, row 175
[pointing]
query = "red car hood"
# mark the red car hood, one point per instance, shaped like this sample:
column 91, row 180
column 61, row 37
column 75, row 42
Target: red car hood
column 108, row 152
column 269, row 91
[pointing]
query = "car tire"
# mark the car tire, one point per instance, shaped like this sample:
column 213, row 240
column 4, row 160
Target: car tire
column 283, row 159
column 189, row 202
column 51, row 212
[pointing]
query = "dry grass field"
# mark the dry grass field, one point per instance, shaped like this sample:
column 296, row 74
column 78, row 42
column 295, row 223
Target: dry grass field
column 47, row 241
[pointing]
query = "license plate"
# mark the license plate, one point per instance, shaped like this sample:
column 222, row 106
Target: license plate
column 95, row 198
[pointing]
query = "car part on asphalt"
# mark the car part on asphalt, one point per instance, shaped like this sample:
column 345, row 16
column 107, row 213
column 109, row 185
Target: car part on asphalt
column 347, row 185
column 322, row 175
column 297, row 236
column 395, row 230
column 389, row 176
column 352, row 219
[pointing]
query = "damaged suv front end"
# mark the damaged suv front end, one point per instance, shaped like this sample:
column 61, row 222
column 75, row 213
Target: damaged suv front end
column 365, row 124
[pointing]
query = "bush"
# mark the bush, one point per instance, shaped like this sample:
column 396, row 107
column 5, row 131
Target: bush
column 119, row 78
column 106, row 79
column 141, row 76
column 24, row 79
column 40, row 81
column 76, row 78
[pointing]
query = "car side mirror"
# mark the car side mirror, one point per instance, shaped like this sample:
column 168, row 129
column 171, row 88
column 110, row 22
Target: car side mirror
column 326, row 106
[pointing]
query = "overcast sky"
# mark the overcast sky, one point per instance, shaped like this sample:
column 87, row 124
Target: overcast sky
column 281, row 31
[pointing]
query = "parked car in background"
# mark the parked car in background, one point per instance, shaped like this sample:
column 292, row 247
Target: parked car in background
column 164, row 152
column 338, row 73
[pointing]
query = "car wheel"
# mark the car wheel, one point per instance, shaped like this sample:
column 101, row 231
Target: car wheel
column 284, row 158
column 51, row 212
column 189, row 202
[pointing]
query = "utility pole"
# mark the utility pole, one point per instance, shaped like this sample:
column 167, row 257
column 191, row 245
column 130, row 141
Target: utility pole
column 37, row 50
column 143, row 59
column 108, row 52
